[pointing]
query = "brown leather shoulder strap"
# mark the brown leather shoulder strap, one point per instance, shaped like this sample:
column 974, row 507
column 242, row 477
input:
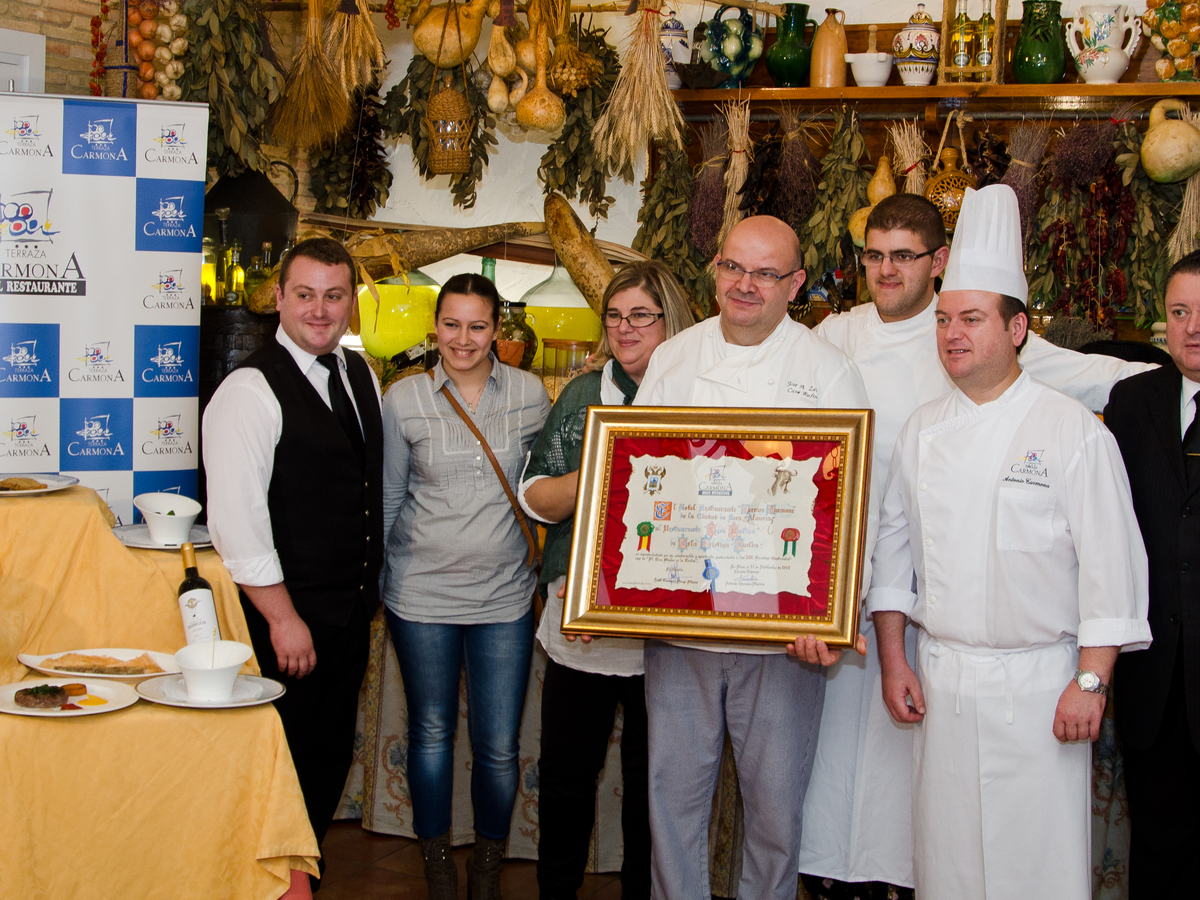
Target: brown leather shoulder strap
column 526, row 528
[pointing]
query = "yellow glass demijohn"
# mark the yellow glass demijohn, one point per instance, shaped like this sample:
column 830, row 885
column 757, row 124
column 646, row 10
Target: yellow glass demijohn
column 557, row 310
column 405, row 314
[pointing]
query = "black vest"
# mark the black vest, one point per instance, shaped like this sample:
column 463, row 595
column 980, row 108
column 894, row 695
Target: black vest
column 326, row 511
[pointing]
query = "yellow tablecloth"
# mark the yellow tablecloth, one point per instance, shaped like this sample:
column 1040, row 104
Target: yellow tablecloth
column 143, row 802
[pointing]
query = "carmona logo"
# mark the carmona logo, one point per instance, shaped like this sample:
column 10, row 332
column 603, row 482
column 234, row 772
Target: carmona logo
column 169, row 366
column 169, row 292
column 100, row 141
column 96, row 439
column 169, row 439
column 28, row 261
column 24, row 139
column 25, row 217
column 22, row 439
column 97, row 366
column 168, row 215
column 170, row 147
column 98, row 138
column 24, row 365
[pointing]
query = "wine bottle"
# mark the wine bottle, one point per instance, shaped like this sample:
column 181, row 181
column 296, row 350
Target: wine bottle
column 962, row 42
column 985, row 31
column 235, row 287
column 196, row 602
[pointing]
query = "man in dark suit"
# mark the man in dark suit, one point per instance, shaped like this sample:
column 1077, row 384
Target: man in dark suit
column 1157, row 691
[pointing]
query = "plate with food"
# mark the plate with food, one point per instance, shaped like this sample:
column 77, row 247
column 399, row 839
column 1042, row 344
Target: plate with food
column 65, row 697
column 138, row 537
column 248, row 690
column 28, row 484
column 106, row 663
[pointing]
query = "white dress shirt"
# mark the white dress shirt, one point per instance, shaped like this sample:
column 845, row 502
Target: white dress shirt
column 242, row 426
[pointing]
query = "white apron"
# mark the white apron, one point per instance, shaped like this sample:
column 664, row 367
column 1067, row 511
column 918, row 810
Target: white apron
column 1002, row 809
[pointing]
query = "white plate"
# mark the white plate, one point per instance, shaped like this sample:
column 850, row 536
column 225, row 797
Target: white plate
column 53, row 482
column 118, row 696
column 166, row 662
column 138, row 537
column 171, row 691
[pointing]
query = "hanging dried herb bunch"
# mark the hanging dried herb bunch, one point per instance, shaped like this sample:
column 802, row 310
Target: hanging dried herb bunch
column 1147, row 253
column 988, row 157
column 353, row 44
column 1083, row 231
column 796, row 174
column 741, row 152
column 1183, row 239
column 1026, row 146
column 352, row 177
column 640, row 107
column 663, row 226
column 573, row 68
column 758, row 187
column 841, row 191
column 315, row 107
column 707, row 208
column 571, row 164
column 910, row 154
column 403, row 115
column 227, row 67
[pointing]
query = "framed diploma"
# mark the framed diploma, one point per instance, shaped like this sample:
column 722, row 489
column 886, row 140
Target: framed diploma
column 720, row 524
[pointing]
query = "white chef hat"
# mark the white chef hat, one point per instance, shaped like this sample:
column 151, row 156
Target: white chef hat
column 986, row 252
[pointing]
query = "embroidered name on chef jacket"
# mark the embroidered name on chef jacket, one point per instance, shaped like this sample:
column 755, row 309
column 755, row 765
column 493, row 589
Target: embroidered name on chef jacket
column 807, row 390
column 1030, row 468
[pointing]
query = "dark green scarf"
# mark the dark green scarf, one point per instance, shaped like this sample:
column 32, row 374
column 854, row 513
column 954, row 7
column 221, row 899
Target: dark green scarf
column 622, row 380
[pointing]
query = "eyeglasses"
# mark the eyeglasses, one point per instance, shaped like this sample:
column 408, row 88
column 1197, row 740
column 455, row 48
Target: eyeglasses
column 613, row 319
column 760, row 277
column 901, row 259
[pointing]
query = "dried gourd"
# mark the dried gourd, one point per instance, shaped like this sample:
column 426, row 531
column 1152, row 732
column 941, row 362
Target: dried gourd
column 541, row 107
column 517, row 94
column 502, row 59
column 448, row 34
column 497, row 95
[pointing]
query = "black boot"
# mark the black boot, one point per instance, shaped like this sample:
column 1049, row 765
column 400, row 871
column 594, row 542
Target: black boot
column 441, row 875
column 483, row 868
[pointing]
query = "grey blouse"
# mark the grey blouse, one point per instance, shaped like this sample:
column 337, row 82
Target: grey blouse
column 455, row 552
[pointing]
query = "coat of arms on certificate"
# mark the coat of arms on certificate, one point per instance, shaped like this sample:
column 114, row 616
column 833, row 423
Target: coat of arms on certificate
column 720, row 524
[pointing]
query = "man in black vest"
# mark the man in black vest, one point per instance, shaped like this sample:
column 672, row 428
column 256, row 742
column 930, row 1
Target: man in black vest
column 1157, row 691
column 293, row 448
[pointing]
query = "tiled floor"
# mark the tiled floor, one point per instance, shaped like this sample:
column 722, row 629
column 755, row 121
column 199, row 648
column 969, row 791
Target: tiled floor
column 361, row 865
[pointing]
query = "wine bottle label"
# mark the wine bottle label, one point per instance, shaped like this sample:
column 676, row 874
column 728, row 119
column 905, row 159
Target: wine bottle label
column 962, row 59
column 199, row 615
column 984, row 58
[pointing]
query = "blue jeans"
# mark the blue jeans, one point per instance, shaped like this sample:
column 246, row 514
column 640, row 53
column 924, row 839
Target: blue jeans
column 431, row 658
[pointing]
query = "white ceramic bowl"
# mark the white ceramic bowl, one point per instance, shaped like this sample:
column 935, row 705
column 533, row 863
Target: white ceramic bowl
column 209, row 672
column 168, row 516
column 870, row 69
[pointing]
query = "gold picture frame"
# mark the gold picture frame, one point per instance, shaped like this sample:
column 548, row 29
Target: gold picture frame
column 730, row 494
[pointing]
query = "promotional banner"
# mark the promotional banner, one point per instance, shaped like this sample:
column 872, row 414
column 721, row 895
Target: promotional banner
column 101, row 208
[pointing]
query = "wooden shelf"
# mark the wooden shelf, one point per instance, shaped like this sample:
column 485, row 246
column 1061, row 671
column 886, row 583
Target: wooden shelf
column 936, row 92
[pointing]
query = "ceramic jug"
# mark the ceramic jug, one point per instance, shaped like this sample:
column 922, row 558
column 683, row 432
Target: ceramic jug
column 1097, row 39
column 829, row 51
column 673, row 38
column 789, row 59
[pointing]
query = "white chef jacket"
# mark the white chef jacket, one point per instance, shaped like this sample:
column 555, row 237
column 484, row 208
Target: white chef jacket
column 791, row 369
column 1017, row 517
column 243, row 423
column 861, row 788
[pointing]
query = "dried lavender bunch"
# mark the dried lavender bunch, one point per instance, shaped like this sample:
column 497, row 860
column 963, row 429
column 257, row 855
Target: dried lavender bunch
column 707, row 210
column 1026, row 145
column 1081, row 153
column 795, row 182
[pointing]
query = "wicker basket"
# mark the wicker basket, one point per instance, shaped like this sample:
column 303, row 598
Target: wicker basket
column 449, row 121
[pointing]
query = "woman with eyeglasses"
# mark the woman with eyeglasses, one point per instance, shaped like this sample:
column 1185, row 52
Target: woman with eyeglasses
column 643, row 306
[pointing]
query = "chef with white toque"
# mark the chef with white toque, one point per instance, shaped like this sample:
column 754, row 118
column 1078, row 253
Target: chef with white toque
column 1009, row 503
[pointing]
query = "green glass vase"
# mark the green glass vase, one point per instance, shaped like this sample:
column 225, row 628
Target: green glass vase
column 1040, row 54
column 789, row 59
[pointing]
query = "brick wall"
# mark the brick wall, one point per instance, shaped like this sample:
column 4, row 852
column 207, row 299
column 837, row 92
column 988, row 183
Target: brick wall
column 67, row 27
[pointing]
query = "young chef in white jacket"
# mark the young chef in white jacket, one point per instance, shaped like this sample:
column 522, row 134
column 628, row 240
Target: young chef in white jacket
column 752, row 355
column 859, row 801
column 1010, row 502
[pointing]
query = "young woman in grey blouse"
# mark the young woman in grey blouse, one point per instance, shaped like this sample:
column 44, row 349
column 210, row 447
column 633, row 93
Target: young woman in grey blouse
column 457, row 588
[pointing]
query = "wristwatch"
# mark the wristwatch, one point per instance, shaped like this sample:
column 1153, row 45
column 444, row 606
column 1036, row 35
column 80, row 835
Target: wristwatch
column 1090, row 682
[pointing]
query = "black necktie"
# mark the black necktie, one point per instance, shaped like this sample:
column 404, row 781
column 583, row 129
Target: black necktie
column 1191, row 448
column 339, row 401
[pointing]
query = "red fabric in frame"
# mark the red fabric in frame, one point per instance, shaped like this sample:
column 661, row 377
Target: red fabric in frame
column 815, row 603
